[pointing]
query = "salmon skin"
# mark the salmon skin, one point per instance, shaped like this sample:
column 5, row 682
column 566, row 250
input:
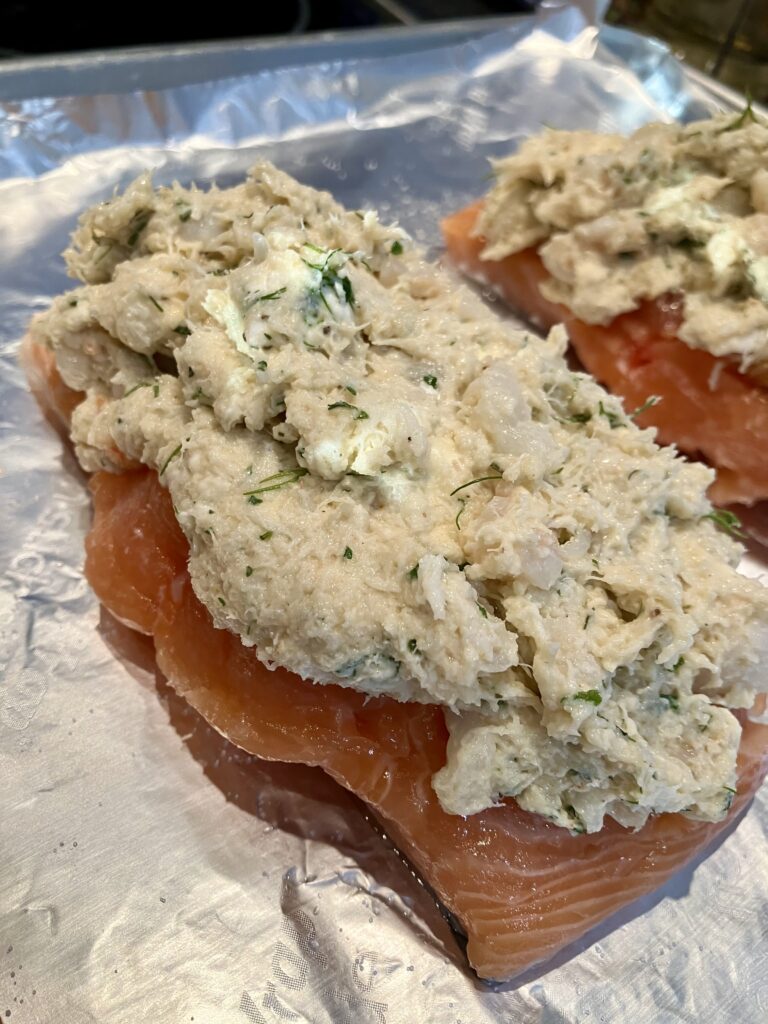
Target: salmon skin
column 707, row 408
column 521, row 888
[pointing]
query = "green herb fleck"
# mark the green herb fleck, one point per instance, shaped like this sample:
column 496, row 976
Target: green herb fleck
column 579, row 417
column 477, row 480
column 462, row 502
column 483, row 611
column 727, row 521
column 278, row 480
column 262, row 364
column 348, row 553
column 183, row 330
column 222, row 602
column 678, row 664
column 590, row 696
column 350, row 389
column 176, row 451
column 266, row 535
column 253, row 500
column 138, row 222
column 249, row 570
column 412, row 647
column 672, row 700
column 72, row 302
column 155, row 303
column 253, row 299
column 647, row 404
column 142, row 384
column 360, row 414
column 431, row 380
column 397, row 248
column 156, row 390
column 330, row 279
column 613, row 418
column 414, row 572
column 744, row 117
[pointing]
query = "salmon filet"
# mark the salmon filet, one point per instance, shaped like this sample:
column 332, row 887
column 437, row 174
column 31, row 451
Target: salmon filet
column 521, row 887
column 708, row 408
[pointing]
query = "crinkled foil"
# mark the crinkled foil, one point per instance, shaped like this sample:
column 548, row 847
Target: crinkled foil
column 149, row 871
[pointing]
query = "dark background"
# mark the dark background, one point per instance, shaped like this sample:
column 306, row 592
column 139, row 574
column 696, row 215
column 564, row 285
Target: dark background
column 28, row 27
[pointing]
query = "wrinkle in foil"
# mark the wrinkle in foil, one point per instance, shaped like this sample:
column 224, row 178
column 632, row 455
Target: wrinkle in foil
column 151, row 871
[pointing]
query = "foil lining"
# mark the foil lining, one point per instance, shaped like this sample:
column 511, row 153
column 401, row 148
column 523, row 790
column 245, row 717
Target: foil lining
column 149, row 871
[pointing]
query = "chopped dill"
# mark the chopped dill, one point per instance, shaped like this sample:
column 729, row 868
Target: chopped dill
column 747, row 115
column 590, row 696
column 672, row 700
column 277, row 480
column 727, row 521
column 253, row 299
column 647, row 404
column 360, row 414
column 138, row 222
column 477, row 480
column 462, row 502
column 141, row 384
column 176, row 451
column 613, row 418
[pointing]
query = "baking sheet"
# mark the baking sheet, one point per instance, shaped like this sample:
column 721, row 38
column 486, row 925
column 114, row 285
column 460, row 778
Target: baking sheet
column 151, row 872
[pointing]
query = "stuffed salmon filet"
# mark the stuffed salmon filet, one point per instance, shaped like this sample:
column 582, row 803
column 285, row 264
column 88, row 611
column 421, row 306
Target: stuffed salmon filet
column 373, row 528
column 653, row 249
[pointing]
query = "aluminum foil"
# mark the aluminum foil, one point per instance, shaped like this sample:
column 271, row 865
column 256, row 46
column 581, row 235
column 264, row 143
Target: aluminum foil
column 149, row 871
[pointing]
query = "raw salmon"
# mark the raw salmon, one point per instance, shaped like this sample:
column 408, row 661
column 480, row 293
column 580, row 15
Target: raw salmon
column 521, row 887
column 708, row 408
